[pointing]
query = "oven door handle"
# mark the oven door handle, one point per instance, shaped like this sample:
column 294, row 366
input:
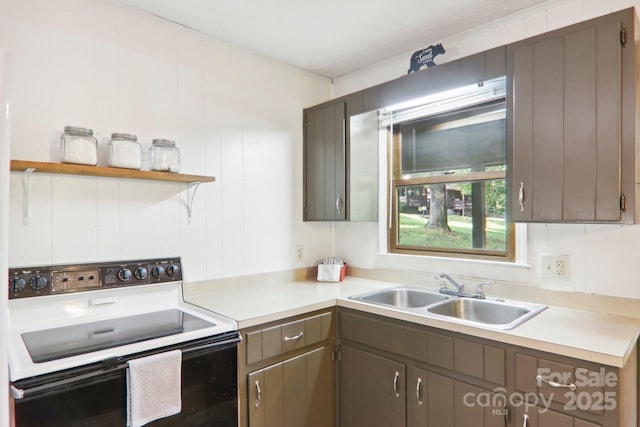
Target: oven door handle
column 19, row 393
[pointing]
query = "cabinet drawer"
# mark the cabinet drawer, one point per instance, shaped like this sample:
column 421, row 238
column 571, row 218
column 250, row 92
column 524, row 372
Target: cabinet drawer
column 285, row 337
column 565, row 383
column 479, row 361
column 409, row 342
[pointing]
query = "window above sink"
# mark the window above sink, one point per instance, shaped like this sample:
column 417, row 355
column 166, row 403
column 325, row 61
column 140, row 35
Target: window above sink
column 447, row 160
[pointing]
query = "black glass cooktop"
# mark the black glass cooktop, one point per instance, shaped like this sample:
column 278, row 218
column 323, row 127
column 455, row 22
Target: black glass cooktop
column 67, row 341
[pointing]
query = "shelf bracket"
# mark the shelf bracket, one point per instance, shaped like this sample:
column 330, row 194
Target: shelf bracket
column 190, row 196
column 26, row 187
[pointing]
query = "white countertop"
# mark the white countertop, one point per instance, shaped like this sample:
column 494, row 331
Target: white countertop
column 602, row 338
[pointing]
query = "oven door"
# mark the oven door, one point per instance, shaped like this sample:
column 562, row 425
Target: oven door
column 96, row 395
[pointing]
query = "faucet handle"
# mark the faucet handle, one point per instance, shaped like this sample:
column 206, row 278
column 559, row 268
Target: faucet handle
column 480, row 289
column 441, row 282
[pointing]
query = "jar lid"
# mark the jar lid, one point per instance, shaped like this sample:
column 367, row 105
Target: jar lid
column 164, row 142
column 75, row 130
column 126, row 136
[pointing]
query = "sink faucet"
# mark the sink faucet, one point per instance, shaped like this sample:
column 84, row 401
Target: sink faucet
column 443, row 283
column 443, row 278
column 480, row 289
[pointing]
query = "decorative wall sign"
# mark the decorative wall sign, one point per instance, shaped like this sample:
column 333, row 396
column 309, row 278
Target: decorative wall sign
column 425, row 57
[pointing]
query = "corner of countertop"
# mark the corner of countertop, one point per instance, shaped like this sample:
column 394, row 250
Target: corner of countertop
column 203, row 287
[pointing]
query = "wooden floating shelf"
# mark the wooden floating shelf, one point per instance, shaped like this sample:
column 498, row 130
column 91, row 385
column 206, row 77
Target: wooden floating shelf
column 72, row 169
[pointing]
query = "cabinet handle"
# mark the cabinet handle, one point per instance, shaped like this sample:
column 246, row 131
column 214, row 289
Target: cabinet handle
column 294, row 338
column 571, row 386
column 418, row 389
column 339, row 204
column 395, row 383
column 521, row 196
column 525, row 420
column 258, row 395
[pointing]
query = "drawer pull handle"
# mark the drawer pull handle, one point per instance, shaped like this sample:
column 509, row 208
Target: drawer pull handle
column 418, row 389
column 258, row 395
column 294, row 338
column 525, row 420
column 571, row 386
column 395, row 383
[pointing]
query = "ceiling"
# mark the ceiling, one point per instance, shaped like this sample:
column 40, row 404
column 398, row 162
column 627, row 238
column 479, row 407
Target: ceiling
column 332, row 37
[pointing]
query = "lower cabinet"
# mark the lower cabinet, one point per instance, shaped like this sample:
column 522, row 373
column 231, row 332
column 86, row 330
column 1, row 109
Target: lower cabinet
column 394, row 373
column 376, row 391
column 287, row 372
column 437, row 400
column 371, row 390
column 296, row 392
column 430, row 399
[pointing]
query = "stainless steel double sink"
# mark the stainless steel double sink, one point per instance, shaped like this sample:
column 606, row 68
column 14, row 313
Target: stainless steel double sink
column 493, row 313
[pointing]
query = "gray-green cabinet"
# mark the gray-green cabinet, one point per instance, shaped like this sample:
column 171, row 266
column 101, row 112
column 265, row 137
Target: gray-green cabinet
column 341, row 138
column 571, row 121
column 325, row 144
column 371, row 390
column 430, row 399
column 296, row 392
column 287, row 372
column 340, row 162
column 415, row 377
column 446, row 379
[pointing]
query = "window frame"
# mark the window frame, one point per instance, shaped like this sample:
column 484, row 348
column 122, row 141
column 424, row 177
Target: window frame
column 395, row 180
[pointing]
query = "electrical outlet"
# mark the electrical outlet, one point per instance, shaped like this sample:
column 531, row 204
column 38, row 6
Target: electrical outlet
column 554, row 266
column 299, row 253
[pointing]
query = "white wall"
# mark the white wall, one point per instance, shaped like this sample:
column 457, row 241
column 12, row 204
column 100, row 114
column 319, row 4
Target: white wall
column 4, row 242
column 603, row 258
column 234, row 115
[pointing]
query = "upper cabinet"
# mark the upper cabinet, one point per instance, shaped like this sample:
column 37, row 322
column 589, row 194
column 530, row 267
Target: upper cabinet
column 325, row 141
column 572, row 102
column 342, row 140
column 340, row 164
column 571, row 123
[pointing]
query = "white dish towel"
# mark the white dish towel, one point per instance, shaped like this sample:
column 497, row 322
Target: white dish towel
column 154, row 385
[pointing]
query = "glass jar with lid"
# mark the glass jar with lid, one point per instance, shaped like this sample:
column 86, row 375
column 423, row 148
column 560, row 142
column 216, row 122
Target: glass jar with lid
column 125, row 151
column 79, row 146
column 164, row 156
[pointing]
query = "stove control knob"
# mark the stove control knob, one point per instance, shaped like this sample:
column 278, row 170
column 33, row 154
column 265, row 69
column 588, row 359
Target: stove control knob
column 16, row 284
column 141, row 273
column 38, row 282
column 172, row 270
column 124, row 274
column 157, row 271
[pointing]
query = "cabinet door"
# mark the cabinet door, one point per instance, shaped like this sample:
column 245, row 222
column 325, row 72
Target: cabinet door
column 372, row 390
column 293, row 393
column 540, row 417
column 565, row 143
column 434, row 400
column 324, row 163
column 475, row 406
column 430, row 399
